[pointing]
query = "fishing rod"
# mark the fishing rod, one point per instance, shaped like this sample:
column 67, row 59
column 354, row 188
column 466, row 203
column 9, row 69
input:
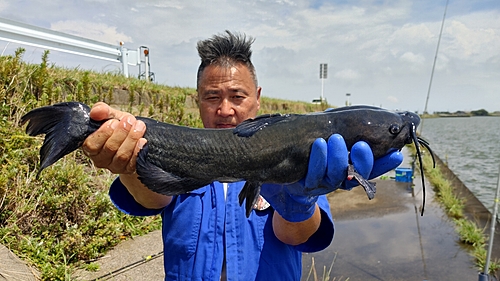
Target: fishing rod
column 434, row 66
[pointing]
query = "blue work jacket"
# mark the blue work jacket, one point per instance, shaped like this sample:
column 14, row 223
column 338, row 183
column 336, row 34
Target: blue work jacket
column 203, row 228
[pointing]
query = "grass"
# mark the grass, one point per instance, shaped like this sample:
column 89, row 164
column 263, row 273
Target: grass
column 468, row 231
column 64, row 219
column 326, row 272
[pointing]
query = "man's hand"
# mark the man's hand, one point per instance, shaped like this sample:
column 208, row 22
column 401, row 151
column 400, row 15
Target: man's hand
column 115, row 144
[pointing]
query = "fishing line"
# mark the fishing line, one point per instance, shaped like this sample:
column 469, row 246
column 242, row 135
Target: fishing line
column 420, row 241
column 128, row 267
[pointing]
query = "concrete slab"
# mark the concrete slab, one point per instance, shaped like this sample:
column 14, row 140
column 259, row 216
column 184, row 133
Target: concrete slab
column 14, row 269
column 140, row 258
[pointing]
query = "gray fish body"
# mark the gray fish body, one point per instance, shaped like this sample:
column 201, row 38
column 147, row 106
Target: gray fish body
column 267, row 149
column 275, row 153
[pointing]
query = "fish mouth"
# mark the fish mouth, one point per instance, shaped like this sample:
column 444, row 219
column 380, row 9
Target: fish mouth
column 420, row 141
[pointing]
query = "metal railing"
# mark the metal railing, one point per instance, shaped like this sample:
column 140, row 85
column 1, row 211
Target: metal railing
column 17, row 32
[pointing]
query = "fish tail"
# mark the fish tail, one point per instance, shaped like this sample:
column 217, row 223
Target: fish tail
column 65, row 125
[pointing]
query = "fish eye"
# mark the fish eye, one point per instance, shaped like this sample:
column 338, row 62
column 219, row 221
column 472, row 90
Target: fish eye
column 394, row 129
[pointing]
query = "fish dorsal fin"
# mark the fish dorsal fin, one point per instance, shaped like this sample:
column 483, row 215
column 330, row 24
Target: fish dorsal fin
column 250, row 126
column 353, row 107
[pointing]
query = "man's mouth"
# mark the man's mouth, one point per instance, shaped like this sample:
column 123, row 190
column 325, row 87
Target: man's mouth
column 222, row 126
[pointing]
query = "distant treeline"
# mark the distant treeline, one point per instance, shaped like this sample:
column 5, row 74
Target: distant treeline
column 480, row 112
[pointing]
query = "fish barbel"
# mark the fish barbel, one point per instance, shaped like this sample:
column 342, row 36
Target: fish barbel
column 271, row 148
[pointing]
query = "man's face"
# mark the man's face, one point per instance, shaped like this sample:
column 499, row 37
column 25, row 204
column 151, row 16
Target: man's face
column 227, row 96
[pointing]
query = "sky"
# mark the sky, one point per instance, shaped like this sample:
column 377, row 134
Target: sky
column 380, row 52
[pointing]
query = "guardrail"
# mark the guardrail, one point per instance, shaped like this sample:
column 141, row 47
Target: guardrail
column 17, row 32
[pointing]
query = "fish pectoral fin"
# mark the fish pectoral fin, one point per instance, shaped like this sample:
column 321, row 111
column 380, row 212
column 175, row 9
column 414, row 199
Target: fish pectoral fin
column 368, row 186
column 163, row 182
column 250, row 126
column 250, row 192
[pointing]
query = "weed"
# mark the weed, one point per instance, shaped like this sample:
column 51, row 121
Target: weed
column 469, row 233
column 326, row 272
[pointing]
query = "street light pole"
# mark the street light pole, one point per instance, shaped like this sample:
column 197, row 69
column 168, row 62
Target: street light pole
column 323, row 70
column 322, row 88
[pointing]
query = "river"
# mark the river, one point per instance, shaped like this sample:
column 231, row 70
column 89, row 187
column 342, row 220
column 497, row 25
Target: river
column 471, row 147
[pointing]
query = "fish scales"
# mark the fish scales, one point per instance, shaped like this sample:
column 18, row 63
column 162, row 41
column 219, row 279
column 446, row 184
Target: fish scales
column 271, row 148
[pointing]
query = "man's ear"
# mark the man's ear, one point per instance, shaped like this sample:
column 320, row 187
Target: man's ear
column 197, row 99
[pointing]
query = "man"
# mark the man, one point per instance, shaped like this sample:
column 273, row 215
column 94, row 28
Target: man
column 206, row 234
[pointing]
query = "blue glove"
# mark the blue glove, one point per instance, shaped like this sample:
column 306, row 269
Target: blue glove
column 327, row 171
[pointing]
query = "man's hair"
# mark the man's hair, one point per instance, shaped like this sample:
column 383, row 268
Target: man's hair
column 226, row 50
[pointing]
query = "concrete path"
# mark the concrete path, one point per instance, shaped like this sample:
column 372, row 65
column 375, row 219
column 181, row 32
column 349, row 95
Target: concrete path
column 14, row 269
column 140, row 258
column 387, row 238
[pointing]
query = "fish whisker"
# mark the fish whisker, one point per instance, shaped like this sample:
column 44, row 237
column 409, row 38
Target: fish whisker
column 417, row 141
column 425, row 144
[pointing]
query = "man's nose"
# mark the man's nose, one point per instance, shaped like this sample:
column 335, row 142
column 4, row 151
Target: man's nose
column 226, row 108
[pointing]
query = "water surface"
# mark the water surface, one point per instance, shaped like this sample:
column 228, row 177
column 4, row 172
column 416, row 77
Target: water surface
column 471, row 147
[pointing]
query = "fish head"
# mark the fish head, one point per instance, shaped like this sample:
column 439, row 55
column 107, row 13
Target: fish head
column 412, row 120
column 383, row 130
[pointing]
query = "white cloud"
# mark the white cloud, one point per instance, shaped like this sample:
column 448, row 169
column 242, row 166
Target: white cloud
column 410, row 37
column 347, row 74
column 95, row 31
column 413, row 61
column 472, row 42
column 4, row 5
column 392, row 99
